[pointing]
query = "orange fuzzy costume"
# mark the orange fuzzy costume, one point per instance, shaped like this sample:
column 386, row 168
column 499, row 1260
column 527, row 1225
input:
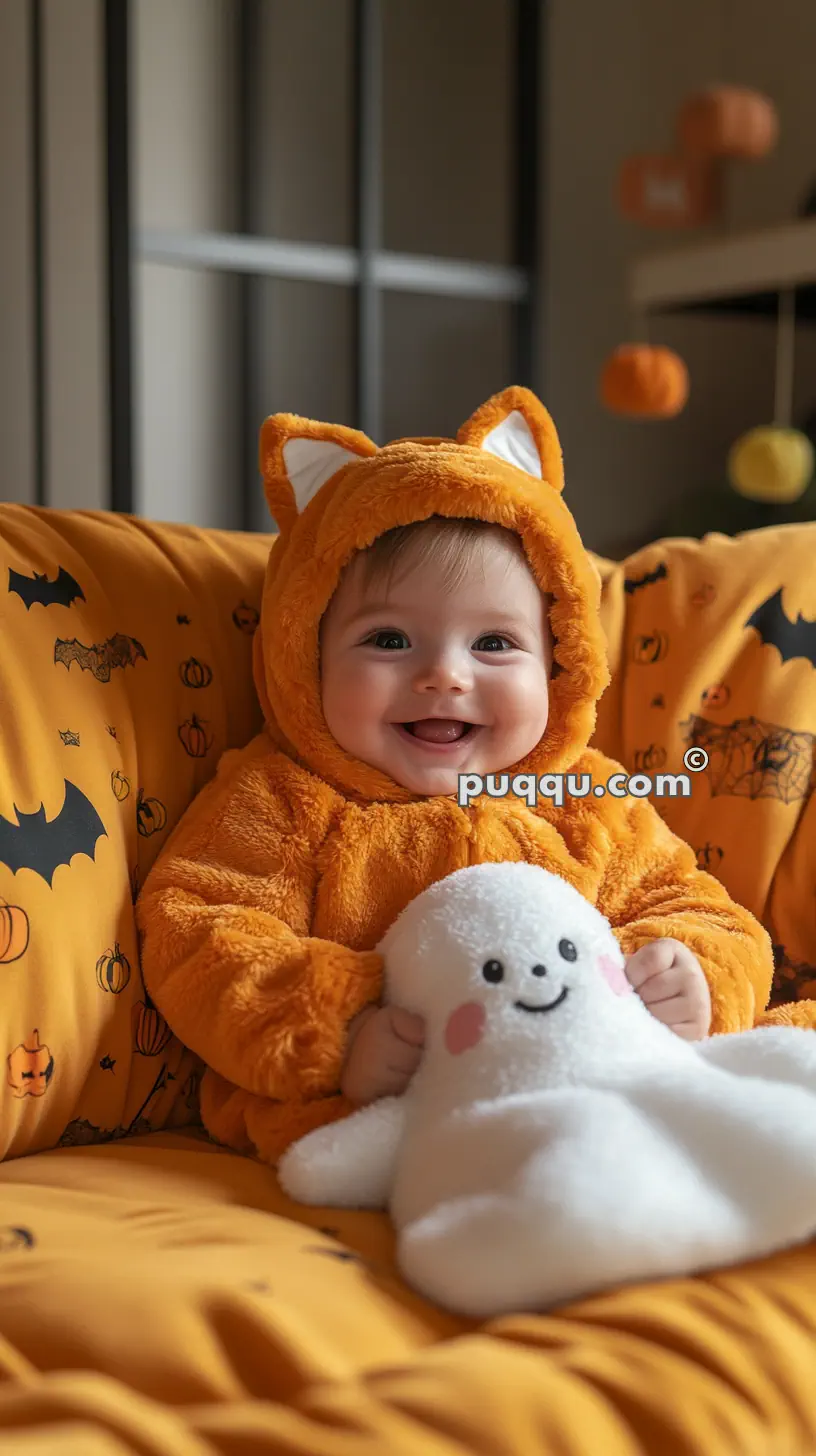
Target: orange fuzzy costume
column 261, row 917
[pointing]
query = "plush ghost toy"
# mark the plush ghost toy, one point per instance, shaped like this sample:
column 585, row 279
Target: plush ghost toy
column 557, row 1139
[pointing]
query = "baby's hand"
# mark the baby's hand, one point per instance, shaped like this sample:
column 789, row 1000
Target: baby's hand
column 671, row 982
column 384, row 1050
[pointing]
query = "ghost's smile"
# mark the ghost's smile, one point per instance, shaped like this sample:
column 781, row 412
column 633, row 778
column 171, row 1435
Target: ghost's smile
column 551, row 1005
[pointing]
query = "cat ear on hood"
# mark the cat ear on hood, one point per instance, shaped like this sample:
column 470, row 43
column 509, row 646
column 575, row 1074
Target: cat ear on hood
column 515, row 427
column 298, row 456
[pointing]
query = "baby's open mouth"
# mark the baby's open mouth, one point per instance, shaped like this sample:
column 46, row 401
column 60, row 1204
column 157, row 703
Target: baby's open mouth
column 438, row 730
column 551, row 1005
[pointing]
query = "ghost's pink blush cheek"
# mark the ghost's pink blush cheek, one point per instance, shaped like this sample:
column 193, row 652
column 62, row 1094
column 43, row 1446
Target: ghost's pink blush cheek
column 614, row 975
column 465, row 1027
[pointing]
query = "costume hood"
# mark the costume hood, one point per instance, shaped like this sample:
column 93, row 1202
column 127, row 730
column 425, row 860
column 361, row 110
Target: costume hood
column 332, row 492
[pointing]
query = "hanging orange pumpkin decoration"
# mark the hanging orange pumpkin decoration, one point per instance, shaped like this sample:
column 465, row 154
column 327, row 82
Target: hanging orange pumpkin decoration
column 644, row 381
column 195, row 674
column 728, row 121
column 246, row 618
column 113, row 971
column 194, row 737
column 30, row 1068
column 151, row 815
column 150, row 1030
column 120, row 785
column 14, row 932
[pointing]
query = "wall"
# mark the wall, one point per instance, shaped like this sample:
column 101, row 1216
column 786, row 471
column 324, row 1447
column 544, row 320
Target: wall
column 16, row 273
column 74, row 293
column 617, row 75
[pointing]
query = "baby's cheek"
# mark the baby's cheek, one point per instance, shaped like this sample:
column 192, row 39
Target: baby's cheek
column 465, row 1027
column 614, row 975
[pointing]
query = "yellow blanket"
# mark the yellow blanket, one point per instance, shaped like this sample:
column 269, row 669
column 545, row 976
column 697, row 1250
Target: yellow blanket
column 160, row 1296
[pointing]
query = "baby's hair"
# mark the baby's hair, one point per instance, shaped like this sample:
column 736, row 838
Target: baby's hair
column 449, row 543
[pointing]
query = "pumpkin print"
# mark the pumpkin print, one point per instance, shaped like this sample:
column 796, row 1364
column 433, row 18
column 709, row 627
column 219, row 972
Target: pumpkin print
column 709, row 857
column 194, row 737
column 30, row 1068
column 120, row 785
column 650, row 647
column 14, row 933
column 195, row 674
column 12, row 1238
column 717, row 696
column 113, row 971
column 151, row 815
column 246, row 618
column 150, row 1030
column 704, row 595
column 647, row 759
column 190, row 1091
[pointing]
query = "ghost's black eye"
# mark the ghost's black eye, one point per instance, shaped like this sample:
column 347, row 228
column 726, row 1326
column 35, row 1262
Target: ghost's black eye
column 493, row 971
column 567, row 950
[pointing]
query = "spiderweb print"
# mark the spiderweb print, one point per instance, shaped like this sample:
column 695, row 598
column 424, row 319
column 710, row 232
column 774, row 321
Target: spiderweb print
column 753, row 759
column 792, row 979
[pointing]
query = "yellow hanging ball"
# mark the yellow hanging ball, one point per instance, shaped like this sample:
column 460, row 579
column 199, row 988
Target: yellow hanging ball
column 771, row 464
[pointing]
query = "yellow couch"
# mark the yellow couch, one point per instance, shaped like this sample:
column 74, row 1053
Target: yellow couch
column 158, row 1294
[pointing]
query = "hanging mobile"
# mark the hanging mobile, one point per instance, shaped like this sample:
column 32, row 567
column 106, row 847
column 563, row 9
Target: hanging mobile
column 774, row 463
column 644, row 380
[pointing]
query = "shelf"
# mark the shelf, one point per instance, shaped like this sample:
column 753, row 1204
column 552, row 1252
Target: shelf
column 741, row 273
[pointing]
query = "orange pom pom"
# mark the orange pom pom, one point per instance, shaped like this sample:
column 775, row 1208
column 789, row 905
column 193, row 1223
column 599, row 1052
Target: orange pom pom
column 645, row 382
column 728, row 121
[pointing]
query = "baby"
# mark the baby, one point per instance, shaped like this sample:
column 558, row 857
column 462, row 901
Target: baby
column 429, row 611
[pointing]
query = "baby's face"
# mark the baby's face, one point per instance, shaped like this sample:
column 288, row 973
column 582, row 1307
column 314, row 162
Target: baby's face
column 424, row 682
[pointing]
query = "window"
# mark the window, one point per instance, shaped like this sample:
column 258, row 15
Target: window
column 322, row 206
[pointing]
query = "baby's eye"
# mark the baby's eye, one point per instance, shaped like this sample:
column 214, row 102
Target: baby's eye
column 389, row 640
column 492, row 642
column 567, row 950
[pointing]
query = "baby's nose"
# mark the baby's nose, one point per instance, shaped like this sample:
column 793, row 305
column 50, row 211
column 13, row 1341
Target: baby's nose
column 539, row 970
column 447, row 672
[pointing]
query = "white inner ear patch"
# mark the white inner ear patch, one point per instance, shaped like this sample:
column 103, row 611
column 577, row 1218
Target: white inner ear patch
column 514, row 441
column 310, row 463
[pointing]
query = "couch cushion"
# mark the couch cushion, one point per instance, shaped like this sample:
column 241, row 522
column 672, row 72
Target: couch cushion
column 705, row 650
column 125, row 671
